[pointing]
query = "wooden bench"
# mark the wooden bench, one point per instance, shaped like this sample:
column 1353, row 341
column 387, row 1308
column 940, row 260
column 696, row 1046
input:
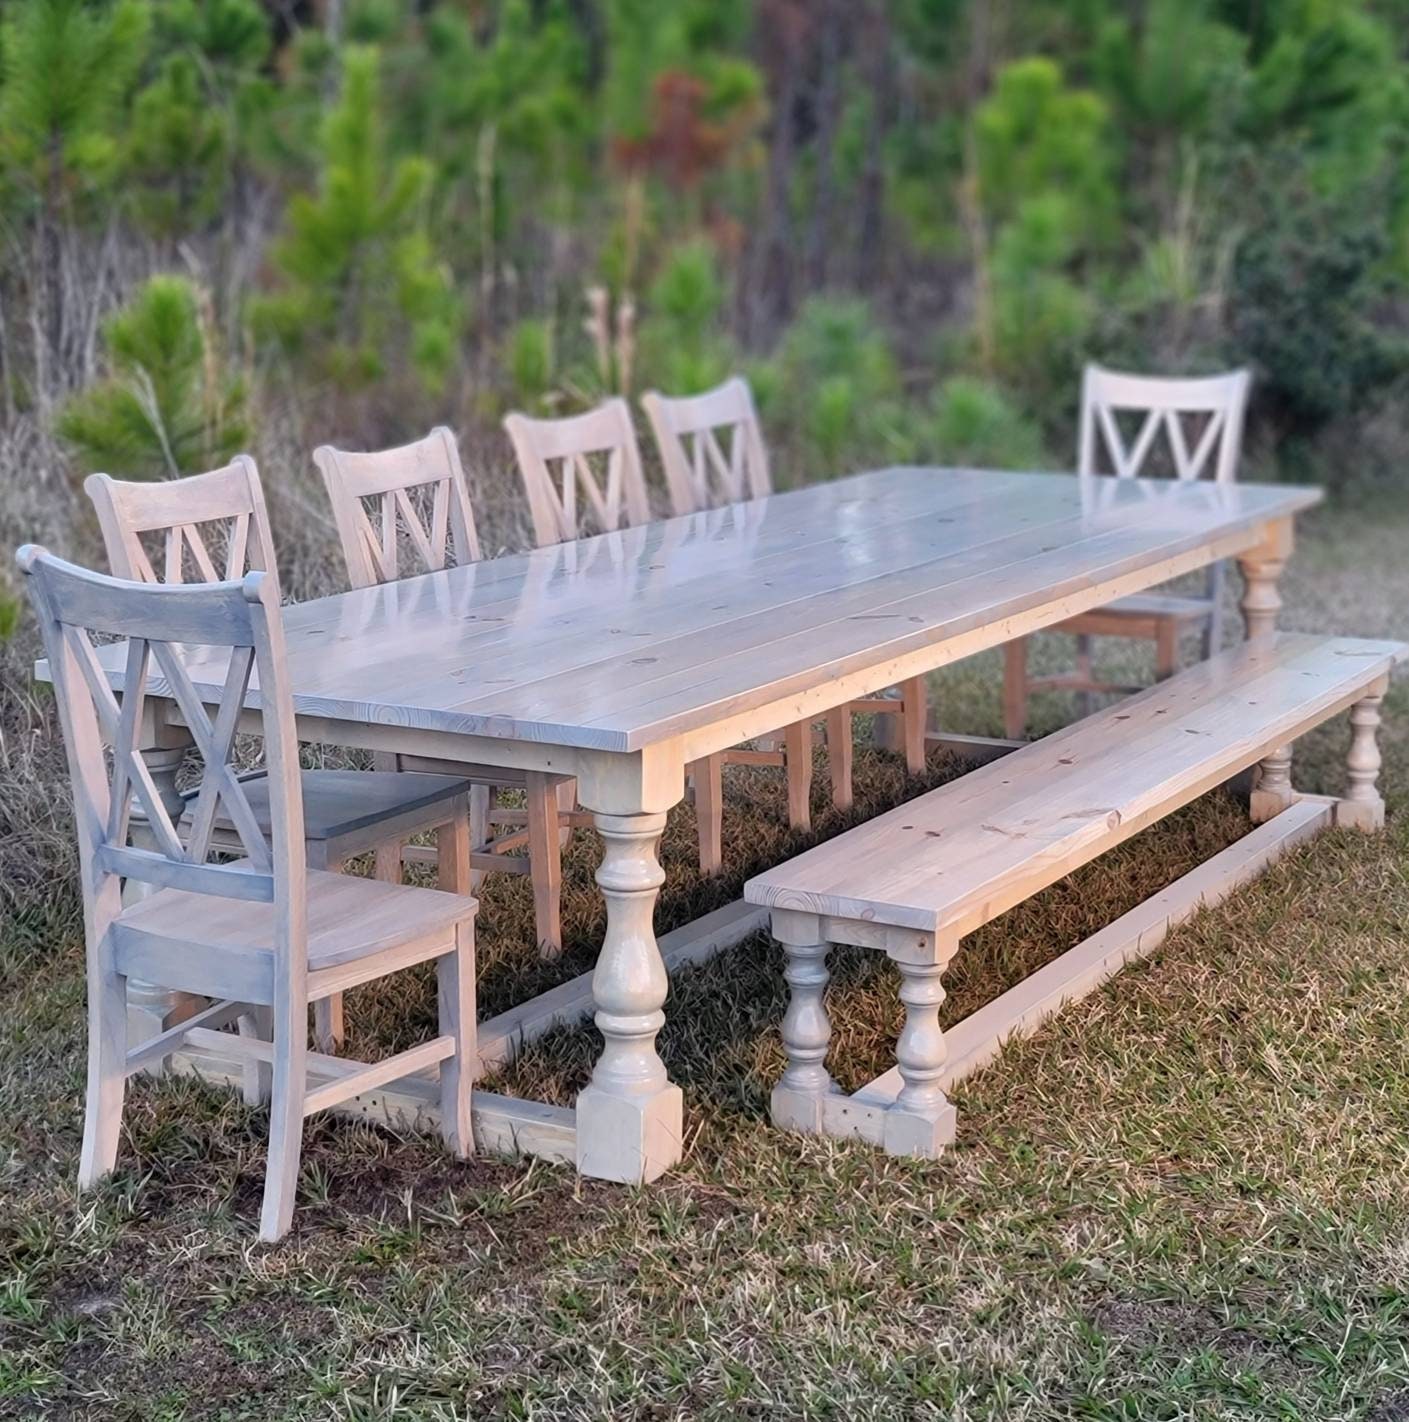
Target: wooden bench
column 913, row 882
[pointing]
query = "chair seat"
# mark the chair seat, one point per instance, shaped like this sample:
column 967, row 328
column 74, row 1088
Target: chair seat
column 341, row 802
column 224, row 947
column 1146, row 607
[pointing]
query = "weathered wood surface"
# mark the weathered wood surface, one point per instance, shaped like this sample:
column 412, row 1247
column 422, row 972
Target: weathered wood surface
column 633, row 638
column 958, row 856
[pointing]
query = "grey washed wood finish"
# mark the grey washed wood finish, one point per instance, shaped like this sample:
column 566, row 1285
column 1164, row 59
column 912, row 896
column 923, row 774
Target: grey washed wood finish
column 631, row 639
column 216, row 525
column 392, row 481
column 622, row 658
column 914, row 882
column 264, row 935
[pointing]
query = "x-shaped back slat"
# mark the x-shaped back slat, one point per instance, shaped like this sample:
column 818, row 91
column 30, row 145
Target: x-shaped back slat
column 691, row 432
column 568, row 497
column 374, row 502
column 1166, row 405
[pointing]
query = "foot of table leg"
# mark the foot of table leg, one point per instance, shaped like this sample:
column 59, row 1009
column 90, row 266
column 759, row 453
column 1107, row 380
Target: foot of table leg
column 630, row 1119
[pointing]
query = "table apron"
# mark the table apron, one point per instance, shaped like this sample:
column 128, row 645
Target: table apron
column 733, row 725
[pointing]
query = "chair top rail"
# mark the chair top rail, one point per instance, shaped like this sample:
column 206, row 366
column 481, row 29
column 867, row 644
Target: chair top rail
column 231, row 496
column 372, row 537
column 699, row 472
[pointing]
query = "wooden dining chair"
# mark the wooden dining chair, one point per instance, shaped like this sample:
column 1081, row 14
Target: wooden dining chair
column 582, row 474
column 414, row 501
column 263, row 935
column 214, row 526
column 1197, row 425
column 713, row 453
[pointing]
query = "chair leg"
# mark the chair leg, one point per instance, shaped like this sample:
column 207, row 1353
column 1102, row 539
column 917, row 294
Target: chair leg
column 452, row 855
column 545, row 859
column 258, row 1023
column 482, row 798
column 797, row 741
column 707, row 776
column 285, row 1119
column 455, row 981
column 567, row 803
column 1085, row 669
column 329, row 1029
column 389, row 866
column 107, row 1077
column 914, row 708
column 1015, row 689
column 839, row 755
column 1166, row 648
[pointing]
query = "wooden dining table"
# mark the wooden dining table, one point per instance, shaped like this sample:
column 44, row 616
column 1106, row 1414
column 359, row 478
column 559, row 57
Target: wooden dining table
column 621, row 659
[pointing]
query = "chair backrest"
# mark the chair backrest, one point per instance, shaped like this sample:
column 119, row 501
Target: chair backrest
column 698, row 472
column 375, row 498
column 176, row 511
column 1216, row 401
column 225, row 631
column 576, row 499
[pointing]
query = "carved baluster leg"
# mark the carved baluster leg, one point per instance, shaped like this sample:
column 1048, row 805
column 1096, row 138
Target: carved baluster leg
column 800, row 1095
column 630, row 1117
column 1261, row 567
column 1274, row 791
column 921, row 1122
column 1362, row 808
column 151, row 1008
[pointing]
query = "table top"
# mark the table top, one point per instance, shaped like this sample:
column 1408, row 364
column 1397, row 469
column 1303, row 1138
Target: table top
column 630, row 638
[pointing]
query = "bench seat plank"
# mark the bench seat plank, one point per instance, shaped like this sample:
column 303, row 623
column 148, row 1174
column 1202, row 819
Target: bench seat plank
column 1010, row 828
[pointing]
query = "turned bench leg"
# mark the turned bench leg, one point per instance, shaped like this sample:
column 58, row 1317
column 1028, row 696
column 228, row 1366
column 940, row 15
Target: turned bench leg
column 922, row 1120
column 1363, row 808
column 1274, row 791
column 799, row 1098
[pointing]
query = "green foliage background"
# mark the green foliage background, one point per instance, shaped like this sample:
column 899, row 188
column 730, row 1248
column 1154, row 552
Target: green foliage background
column 910, row 222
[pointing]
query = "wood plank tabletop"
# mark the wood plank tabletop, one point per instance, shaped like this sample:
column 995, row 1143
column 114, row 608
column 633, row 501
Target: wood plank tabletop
column 630, row 638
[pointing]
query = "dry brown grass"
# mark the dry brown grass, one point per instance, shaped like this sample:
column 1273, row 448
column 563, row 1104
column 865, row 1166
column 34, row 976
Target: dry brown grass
column 1182, row 1199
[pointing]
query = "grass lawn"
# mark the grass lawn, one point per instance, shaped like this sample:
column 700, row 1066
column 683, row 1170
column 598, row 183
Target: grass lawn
column 1187, row 1197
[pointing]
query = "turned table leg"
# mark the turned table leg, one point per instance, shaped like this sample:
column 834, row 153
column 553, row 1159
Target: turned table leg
column 1261, row 568
column 630, row 1119
column 1362, row 808
column 799, row 1098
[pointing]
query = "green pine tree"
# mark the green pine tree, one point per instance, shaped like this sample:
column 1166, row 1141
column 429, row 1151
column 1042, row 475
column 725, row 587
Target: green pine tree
column 360, row 286
column 166, row 406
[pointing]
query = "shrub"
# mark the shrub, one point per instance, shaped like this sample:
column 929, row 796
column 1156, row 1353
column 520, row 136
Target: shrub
column 836, row 389
column 166, row 407
column 972, row 422
column 360, row 283
column 683, row 351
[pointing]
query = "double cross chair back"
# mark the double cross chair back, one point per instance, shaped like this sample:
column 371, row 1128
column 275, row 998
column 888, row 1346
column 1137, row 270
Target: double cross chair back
column 263, row 935
column 1197, row 426
column 213, row 526
column 583, row 474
